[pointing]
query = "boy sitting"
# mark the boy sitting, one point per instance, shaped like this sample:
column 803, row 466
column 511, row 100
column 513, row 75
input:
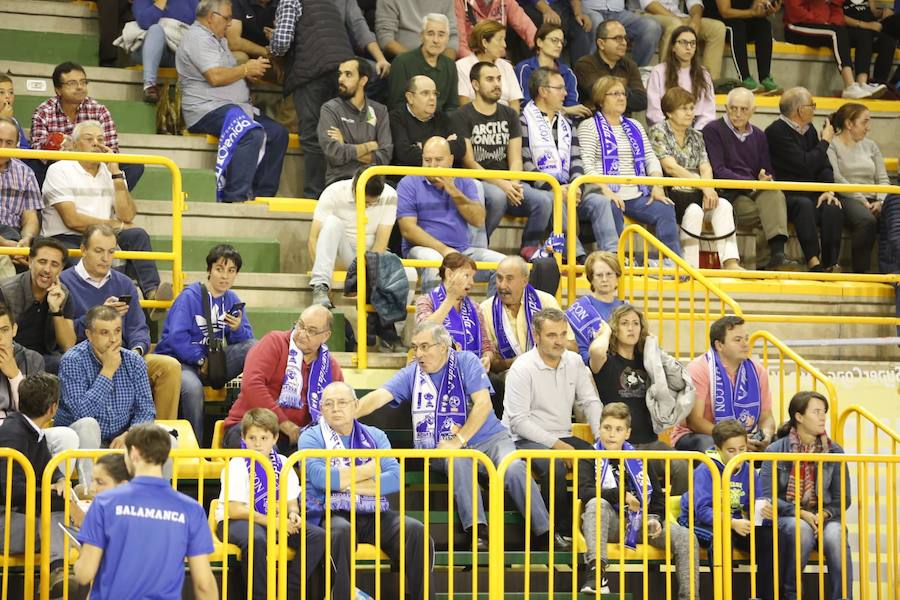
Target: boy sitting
column 615, row 428
column 259, row 431
column 730, row 438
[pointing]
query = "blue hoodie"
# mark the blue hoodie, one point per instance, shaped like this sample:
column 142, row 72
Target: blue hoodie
column 703, row 498
column 184, row 332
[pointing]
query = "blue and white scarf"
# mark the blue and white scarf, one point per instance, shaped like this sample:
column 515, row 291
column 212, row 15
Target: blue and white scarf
column 319, row 377
column 505, row 330
column 740, row 401
column 260, row 484
column 462, row 324
column 634, row 468
column 359, row 439
column 585, row 318
column 234, row 127
column 549, row 156
column 436, row 411
column 609, row 149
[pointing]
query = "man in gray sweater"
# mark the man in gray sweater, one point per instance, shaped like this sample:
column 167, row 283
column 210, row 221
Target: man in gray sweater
column 543, row 387
column 398, row 24
column 353, row 130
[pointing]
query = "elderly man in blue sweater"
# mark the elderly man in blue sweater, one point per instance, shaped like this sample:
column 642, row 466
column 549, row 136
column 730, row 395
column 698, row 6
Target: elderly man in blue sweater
column 92, row 282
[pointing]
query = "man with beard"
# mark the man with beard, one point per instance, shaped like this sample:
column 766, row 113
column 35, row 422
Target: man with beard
column 353, row 130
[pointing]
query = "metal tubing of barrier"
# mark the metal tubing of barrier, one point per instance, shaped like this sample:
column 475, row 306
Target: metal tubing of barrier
column 14, row 458
column 641, row 554
column 178, row 206
column 801, row 366
column 479, row 461
column 866, row 529
column 362, row 350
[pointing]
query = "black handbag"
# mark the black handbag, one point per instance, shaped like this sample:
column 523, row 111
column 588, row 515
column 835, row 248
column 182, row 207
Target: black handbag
column 216, row 368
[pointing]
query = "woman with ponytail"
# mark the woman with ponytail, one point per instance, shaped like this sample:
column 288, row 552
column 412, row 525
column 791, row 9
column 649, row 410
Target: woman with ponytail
column 804, row 433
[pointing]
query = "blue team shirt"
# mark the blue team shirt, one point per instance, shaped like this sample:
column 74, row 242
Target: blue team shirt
column 434, row 210
column 474, row 378
column 146, row 530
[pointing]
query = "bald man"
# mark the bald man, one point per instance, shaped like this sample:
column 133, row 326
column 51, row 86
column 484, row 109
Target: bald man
column 434, row 214
column 418, row 119
column 286, row 372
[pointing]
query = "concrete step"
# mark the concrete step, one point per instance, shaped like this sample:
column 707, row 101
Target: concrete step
column 130, row 116
column 260, row 255
column 49, row 47
column 40, row 16
column 156, row 184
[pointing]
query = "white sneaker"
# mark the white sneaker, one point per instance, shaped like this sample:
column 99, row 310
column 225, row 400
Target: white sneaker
column 877, row 90
column 856, row 92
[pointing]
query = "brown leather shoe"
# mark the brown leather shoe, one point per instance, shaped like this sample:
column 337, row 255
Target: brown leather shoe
column 151, row 94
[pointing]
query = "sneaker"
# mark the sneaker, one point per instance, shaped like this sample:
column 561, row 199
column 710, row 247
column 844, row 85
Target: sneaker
column 855, row 92
column 770, row 85
column 562, row 542
column 151, row 94
column 590, row 582
column 750, row 84
column 320, row 295
column 876, row 90
column 358, row 594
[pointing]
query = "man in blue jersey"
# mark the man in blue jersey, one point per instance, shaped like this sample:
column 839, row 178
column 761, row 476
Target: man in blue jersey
column 135, row 537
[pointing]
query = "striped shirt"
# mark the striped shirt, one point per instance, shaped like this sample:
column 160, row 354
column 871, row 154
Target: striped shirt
column 576, row 168
column 18, row 192
column 49, row 118
column 589, row 140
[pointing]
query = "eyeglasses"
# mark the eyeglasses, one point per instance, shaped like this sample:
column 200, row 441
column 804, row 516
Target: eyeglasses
column 616, row 38
column 74, row 83
column 558, row 88
column 558, row 41
column 615, row 94
column 340, row 405
column 687, row 43
column 812, row 106
column 301, row 329
column 424, row 347
column 228, row 18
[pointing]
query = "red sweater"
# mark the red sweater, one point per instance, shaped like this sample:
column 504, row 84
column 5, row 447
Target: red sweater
column 264, row 376
column 822, row 12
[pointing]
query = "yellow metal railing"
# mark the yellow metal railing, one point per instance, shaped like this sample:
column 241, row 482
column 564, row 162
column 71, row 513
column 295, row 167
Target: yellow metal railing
column 644, row 553
column 430, row 487
column 878, row 572
column 178, row 206
column 362, row 354
column 777, row 357
column 10, row 460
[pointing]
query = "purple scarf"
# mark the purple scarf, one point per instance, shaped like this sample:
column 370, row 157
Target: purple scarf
column 260, row 493
column 609, row 149
column 634, row 467
column 462, row 324
column 531, row 304
column 292, row 384
column 741, row 401
column 359, row 439
column 436, row 411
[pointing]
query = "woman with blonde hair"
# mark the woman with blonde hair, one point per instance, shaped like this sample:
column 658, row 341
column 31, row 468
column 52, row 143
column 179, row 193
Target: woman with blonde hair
column 591, row 311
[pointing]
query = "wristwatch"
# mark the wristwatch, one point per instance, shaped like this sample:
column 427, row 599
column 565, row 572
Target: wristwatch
column 118, row 175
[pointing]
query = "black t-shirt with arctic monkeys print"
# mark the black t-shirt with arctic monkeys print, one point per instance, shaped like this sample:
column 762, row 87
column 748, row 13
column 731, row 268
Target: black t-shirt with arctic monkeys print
column 624, row 380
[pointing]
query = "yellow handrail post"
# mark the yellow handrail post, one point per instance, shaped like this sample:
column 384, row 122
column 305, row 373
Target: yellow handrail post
column 14, row 457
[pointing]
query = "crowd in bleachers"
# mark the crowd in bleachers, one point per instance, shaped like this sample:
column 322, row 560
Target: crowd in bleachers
column 523, row 365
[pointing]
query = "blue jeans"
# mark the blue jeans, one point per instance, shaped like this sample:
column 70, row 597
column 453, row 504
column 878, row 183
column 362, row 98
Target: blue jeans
column 191, row 399
column 537, row 206
column 642, row 31
column 518, row 483
column 660, row 216
column 831, row 545
column 153, row 54
column 248, row 177
column 593, row 208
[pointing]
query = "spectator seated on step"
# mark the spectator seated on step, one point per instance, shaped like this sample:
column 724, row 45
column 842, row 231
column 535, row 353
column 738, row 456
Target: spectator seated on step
column 434, row 213
column 507, row 13
column 161, row 37
column 681, row 68
column 587, row 314
column 549, row 42
column 57, row 117
column 251, row 28
column 427, row 58
column 610, row 60
column 286, row 372
column 401, row 25
column 216, row 101
column 7, row 111
column 186, row 332
column 353, row 130
column 20, row 195
column 332, row 235
column 672, row 14
column 418, row 119
column 488, row 42
column 446, row 421
column 337, row 430
column 78, row 194
column 727, row 372
column 40, row 304
column 737, row 149
column 642, row 31
column 92, row 282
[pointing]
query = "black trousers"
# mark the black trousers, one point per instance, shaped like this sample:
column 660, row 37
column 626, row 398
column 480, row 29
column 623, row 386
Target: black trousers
column 308, row 100
column 868, row 42
column 817, row 35
column 758, row 31
column 415, row 547
column 802, row 212
column 113, row 14
column 578, row 41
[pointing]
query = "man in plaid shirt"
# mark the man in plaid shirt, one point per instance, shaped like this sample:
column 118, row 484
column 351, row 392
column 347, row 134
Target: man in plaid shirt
column 58, row 116
column 20, row 197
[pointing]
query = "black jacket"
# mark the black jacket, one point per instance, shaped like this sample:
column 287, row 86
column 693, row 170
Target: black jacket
column 657, row 506
column 410, row 134
column 797, row 157
column 18, row 434
column 29, row 362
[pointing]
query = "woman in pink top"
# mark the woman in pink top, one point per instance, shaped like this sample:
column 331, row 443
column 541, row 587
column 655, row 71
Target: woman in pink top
column 682, row 68
column 470, row 13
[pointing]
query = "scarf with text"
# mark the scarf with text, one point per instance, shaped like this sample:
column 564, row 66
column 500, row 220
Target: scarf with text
column 505, row 330
column 435, row 411
column 260, row 483
column 609, row 149
column 740, row 401
column 549, row 156
column 462, row 324
column 359, row 439
column 319, row 377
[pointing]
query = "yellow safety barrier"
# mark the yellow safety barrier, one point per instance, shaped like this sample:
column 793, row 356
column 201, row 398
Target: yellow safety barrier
column 362, row 354
column 371, row 551
column 223, row 550
column 178, row 206
column 644, row 554
column 9, row 461
column 775, row 355
column 857, row 529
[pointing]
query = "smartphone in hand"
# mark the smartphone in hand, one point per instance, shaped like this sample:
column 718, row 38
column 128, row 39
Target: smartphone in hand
column 126, row 298
column 237, row 309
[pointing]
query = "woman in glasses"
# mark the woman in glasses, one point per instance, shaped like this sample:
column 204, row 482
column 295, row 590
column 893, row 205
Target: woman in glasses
column 681, row 68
